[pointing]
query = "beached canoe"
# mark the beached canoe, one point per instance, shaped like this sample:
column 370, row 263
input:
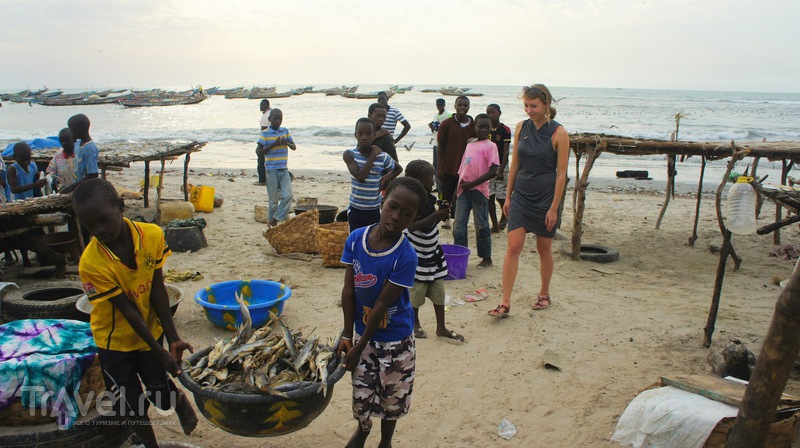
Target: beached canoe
column 154, row 102
column 91, row 100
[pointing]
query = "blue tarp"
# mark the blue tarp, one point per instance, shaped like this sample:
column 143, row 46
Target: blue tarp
column 36, row 143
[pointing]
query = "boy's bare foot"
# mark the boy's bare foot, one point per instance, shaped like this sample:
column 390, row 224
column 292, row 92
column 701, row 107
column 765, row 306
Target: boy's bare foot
column 485, row 263
column 186, row 414
column 419, row 333
column 273, row 222
column 495, row 229
column 358, row 439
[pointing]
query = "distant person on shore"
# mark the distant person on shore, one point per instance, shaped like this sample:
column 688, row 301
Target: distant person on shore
column 383, row 138
column 377, row 341
column 86, row 151
column 23, row 175
column 423, row 234
column 274, row 145
column 454, row 132
column 501, row 136
column 479, row 164
column 536, row 182
column 121, row 272
column 393, row 115
column 62, row 166
column 264, row 122
column 368, row 167
column 5, row 189
column 440, row 116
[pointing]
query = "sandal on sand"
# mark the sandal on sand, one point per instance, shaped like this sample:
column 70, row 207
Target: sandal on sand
column 419, row 333
column 501, row 311
column 454, row 336
column 542, row 302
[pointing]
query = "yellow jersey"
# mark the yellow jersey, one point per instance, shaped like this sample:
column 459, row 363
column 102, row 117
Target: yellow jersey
column 105, row 276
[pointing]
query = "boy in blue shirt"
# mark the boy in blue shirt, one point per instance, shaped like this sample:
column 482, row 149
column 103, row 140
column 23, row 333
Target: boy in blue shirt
column 274, row 145
column 86, row 151
column 378, row 319
column 23, row 175
column 367, row 164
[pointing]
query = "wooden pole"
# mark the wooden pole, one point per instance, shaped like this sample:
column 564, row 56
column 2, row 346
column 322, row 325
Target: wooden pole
column 754, row 175
column 580, row 191
column 146, row 183
column 670, row 188
column 724, row 252
column 693, row 238
column 158, row 190
column 774, row 364
column 577, row 176
column 786, row 166
column 186, row 177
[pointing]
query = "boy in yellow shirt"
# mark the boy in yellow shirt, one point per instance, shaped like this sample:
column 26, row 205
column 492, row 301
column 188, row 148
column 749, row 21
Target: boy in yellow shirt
column 121, row 274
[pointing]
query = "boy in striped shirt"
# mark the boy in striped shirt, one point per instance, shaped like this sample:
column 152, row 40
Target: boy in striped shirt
column 367, row 165
column 423, row 234
column 274, row 145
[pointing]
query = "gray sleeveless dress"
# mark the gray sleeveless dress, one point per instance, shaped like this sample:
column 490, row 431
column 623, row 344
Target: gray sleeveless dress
column 535, row 183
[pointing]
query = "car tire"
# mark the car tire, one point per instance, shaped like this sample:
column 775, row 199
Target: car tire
column 52, row 300
column 594, row 252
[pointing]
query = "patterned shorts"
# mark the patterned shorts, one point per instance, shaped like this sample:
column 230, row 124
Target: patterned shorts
column 498, row 187
column 383, row 381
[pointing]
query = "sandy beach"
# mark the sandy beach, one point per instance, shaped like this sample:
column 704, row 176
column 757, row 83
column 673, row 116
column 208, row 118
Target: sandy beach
column 616, row 327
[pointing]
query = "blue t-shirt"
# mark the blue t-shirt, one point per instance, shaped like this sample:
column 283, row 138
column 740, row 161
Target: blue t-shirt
column 367, row 195
column 371, row 270
column 277, row 157
column 26, row 178
column 85, row 160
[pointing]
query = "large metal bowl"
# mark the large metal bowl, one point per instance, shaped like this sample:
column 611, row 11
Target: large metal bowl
column 175, row 297
column 260, row 415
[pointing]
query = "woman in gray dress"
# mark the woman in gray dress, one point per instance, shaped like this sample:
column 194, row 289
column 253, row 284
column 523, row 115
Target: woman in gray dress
column 536, row 181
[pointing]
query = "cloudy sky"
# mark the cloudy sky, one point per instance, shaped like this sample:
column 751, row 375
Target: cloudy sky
column 734, row 45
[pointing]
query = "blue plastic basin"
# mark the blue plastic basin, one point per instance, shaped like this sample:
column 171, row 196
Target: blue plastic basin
column 261, row 296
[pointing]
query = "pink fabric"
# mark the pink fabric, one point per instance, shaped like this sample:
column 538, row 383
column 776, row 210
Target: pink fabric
column 479, row 156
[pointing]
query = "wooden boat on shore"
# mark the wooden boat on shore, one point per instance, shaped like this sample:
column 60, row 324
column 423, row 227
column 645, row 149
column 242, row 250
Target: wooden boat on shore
column 458, row 91
column 429, row 90
column 368, row 96
column 155, row 102
column 261, row 92
column 333, row 91
column 90, row 100
column 20, row 94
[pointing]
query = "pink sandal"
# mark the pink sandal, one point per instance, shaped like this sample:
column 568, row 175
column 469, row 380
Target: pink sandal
column 542, row 302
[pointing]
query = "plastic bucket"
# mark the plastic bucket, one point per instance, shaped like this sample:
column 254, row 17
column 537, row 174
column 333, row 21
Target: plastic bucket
column 457, row 258
column 261, row 296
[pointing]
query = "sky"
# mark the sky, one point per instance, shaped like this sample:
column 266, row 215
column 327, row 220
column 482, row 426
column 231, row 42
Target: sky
column 725, row 45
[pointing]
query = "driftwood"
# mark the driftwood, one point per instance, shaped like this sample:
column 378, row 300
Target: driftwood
column 45, row 204
column 47, row 219
column 774, row 364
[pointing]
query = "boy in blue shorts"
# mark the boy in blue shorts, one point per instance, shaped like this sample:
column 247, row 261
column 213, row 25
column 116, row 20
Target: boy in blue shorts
column 121, row 274
column 274, row 145
column 378, row 320
column 367, row 165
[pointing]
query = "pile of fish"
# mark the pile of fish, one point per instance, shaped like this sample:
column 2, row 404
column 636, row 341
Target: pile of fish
column 271, row 360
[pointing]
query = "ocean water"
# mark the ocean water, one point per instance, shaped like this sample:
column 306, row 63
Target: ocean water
column 322, row 126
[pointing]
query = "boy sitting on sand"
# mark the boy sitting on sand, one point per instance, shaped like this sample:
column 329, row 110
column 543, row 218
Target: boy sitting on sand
column 121, row 274
column 22, row 174
column 367, row 164
column 274, row 145
column 378, row 322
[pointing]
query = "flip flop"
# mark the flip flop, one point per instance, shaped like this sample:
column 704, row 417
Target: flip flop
column 453, row 336
column 419, row 333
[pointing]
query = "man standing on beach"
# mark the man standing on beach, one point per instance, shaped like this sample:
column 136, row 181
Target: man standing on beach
column 392, row 117
column 454, row 132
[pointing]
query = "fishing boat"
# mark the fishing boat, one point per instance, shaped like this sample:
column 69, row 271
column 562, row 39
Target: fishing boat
column 458, row 91
column 153, row 102
column 262, row 92
column 340, row 90
column 224, row 92
column 429, row 90
column 8, row 96
column 91, row 100
column 368, row 96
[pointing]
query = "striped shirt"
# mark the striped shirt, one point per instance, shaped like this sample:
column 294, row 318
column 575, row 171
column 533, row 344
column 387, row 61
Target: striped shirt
column 277, row 157
column 366, row 195
column 431, row 264
column 392, row 117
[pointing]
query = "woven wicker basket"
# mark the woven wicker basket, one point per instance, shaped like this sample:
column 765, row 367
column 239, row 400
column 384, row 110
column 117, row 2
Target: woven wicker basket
column 781, row 433
column 330, row 239
column 92, row 384
column 295, row 235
